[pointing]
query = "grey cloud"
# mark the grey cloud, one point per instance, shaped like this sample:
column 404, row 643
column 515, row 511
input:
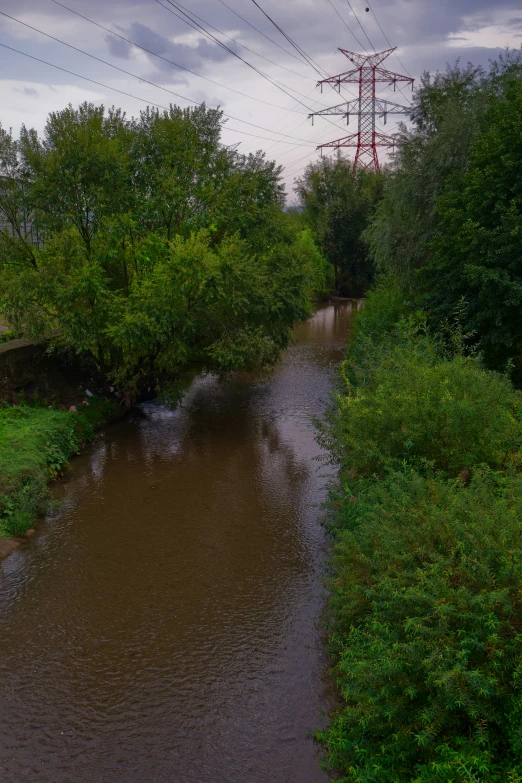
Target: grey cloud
column 29, row 91
column 118, row 47
column 188, row 56
column 419, row 27
column 183, row 54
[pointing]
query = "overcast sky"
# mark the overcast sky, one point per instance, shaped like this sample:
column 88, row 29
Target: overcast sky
column 428, row 34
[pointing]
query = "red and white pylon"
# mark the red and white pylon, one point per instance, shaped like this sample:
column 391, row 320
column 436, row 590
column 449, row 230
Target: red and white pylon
column 367, row 74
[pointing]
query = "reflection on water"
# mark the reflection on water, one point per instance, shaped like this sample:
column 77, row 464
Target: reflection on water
column 164, row 625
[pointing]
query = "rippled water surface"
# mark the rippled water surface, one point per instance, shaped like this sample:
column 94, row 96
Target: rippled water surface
column 163, row 626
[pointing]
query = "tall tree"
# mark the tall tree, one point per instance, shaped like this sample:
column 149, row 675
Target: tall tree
column 162, row 246
column 338, row 204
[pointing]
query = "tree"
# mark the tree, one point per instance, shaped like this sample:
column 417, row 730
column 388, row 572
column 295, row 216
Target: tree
column 161, row 245
column 337, row 205
column 477, row 249
column 444, row 115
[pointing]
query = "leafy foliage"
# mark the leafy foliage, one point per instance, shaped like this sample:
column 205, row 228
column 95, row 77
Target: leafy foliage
column 420, row 408
column 162, row 246
column 338, row 205
column 449, row 223
column 426, row 570
column 477, row 249
column 426, row 606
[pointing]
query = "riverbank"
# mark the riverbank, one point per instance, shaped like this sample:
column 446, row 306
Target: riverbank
column 426, row 581
column 36, row 443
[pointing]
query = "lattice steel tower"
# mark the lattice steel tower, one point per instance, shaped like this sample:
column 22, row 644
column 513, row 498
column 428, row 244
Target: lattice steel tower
column 367, row 74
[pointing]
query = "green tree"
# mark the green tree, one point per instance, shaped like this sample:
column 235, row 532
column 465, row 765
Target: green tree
column 338, row 204
column 476, row 254
column 444, row 115
column 161, row 246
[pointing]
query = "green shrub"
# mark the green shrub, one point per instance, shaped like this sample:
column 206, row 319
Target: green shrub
column 384, row 306
column 426, row 609
column 420, row 408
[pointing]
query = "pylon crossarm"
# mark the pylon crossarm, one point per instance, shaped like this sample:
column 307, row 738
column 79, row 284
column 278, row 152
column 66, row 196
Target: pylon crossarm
column 389, row 107
column 348, row 77
column 383, row 140
column 382, row 107
column 346, row 141
column 383, row 75
column 371, row 60
column 340, row 109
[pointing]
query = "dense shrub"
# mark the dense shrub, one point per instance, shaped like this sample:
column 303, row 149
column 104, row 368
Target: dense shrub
column 426, row 573
column 428, row 634
column 424, row 409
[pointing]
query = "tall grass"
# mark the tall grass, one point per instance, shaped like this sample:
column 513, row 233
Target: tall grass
column 35, row 444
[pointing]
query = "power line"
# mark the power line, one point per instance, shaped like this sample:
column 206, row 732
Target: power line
column 165, row 59
column 195, row 25
column 128, row 94
column 347, row 27
column 388, row 41
column 299, row 60
column 189, row 14
column 141, row 79
column 301, row 51
column 360, row 25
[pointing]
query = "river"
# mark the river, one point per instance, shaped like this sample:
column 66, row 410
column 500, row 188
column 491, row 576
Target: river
column 163, row 626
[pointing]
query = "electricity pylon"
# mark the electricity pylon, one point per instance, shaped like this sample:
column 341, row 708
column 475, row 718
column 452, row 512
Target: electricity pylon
column 367, row 74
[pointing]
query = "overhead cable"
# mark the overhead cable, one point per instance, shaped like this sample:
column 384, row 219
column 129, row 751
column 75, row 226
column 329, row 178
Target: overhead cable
column 191, row 16
column 170, row 62
column 130, row 95
column 195, row 25
column 388, row 41
column 140, row 78
column 232, row 10
column 301, row 51
column 347, row 26
column 360, row 25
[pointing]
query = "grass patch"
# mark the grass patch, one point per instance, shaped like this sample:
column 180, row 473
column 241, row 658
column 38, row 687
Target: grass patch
column 35, row 446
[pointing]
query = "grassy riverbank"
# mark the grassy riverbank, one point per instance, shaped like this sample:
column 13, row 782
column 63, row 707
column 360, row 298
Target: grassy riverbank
column 35, row 446
column 426, row 606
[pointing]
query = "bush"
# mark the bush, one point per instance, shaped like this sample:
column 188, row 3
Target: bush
column 426, row 582
column 427, row 606
column 426, row 410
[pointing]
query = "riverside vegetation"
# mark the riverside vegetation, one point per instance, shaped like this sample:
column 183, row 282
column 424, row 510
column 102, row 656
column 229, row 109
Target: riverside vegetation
column 141, row 246
column 35, row 445
column 426, row 574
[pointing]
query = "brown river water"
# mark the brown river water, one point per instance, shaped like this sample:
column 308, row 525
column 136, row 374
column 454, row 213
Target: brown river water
column 163, row 626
